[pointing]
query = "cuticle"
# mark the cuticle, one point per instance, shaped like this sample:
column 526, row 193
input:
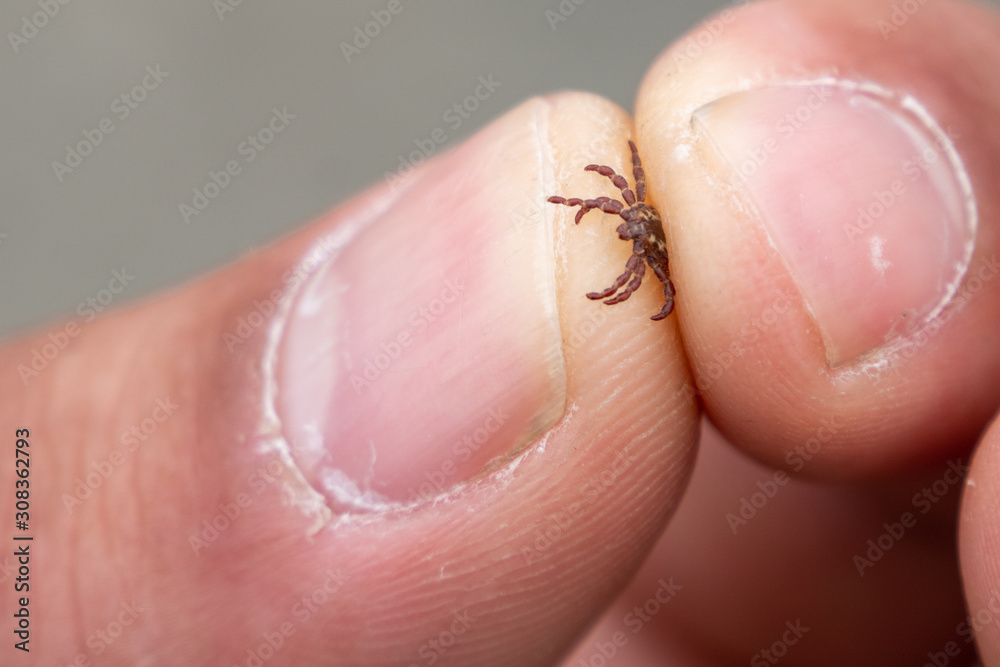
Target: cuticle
column 270, row 439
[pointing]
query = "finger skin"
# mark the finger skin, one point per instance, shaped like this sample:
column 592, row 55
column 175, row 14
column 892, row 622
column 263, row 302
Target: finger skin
column 752, row 551
column 209, row 534
column 761, row 369
column 979, row 546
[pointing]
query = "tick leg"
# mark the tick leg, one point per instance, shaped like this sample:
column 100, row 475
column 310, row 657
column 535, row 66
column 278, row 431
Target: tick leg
column 606, row 204
column 637, row 173
column 661, row 271
column 631, row 287
column 631, row 266
column 619, row 181
column 668, row 306
column 660, row 268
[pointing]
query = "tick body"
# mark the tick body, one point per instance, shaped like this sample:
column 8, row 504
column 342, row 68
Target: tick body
column 642, row 226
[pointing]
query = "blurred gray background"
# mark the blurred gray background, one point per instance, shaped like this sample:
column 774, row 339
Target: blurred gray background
column 221, row 69
column 99, row 154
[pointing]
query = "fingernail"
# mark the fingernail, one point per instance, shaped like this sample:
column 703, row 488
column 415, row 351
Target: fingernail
column 861, row 193
column 427, row 345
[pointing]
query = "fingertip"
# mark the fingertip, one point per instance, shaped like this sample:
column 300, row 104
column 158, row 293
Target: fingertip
column 979, row 547
column 819, row 312
column 604, row 463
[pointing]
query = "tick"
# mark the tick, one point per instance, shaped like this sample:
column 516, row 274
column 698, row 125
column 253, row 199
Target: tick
column 642, row 226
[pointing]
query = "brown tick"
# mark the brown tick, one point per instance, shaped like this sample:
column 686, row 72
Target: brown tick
column 642, row 226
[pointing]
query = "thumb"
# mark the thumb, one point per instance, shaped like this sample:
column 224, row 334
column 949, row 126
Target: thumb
column 401, row 435
column 829, row 181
